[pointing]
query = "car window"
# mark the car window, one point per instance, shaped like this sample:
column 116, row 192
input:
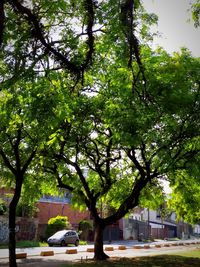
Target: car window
column 59, row 234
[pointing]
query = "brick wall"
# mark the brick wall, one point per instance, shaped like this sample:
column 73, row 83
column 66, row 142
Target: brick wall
column 48, row 210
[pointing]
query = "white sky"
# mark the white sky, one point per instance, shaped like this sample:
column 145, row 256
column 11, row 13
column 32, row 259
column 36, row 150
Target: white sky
column 173, row 24
column 175, row 29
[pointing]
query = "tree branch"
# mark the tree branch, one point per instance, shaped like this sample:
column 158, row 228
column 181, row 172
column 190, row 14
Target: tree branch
column 127, row 20
column 132, row 157
column 28, row 161
column 7, row 162
column 89, row 6
column 16, row 150
column 38, row 32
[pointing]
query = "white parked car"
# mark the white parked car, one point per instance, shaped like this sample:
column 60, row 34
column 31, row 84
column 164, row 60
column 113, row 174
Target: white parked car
column 63, row 238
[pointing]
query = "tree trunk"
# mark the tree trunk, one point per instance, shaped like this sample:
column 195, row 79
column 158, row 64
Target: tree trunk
column 98, row 242
column 12, row 223
column 12, row 241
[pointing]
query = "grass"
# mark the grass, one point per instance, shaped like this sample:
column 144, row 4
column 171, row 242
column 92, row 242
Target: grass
column 182, row 259
column 195, row 253
column 81, row 242
column 26, row 244
column 31, row 244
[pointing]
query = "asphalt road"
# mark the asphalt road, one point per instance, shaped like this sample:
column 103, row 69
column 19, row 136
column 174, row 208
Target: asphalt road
column 61, row 258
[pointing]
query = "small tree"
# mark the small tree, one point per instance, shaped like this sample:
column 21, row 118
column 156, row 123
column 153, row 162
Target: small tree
column 56, row 224
column 84, row 227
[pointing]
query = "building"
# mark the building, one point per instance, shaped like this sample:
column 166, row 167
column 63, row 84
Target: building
column 52, row 206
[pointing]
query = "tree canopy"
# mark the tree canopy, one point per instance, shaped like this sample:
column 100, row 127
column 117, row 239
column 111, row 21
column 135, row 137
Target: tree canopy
column 185, row 197
column 118, row 141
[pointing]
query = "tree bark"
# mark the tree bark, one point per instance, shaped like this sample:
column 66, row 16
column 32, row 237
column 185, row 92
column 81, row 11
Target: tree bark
column 12, row 222
column 98, row 242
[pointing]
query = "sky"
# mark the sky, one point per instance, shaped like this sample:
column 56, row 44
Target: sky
column 174, row 26
column 175, row 30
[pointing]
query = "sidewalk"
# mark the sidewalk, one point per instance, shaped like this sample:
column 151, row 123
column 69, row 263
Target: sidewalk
column 62, row 259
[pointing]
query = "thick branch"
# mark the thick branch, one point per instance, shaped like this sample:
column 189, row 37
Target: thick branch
column 16, row 150
column 132, row 157
column 7, row 162
column 89, row 5
column 33, row 21
column 79, row 172
column 146, row 162
column 28, row 162
column 127, row 20
column 129, row 203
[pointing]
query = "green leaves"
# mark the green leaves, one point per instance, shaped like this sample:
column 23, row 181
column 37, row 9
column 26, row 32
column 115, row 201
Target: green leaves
column 185, row 197
column 196, row 12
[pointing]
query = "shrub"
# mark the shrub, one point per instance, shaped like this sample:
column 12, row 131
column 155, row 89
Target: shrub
column 3, row 207
column 84, row 227
column 56, row 224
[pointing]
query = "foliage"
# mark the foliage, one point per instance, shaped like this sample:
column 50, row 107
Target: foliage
column 56, row 224
column 128, row 137
column 3, row 207
column 185, row 197
column 196, row 12
column 25, row 210
column 118, row 122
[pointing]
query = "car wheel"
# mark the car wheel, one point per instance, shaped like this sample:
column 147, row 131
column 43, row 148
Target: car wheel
column 76, row 243
column 50, row 245
column 63, row 244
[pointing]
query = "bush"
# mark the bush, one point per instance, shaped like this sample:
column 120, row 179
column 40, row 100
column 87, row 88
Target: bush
column 84, row 227
column 3, row 207
column 56, row 224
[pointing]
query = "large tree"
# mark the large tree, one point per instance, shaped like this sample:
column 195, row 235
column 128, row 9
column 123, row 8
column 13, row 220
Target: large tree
column 123, row 116
column 115, row 143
